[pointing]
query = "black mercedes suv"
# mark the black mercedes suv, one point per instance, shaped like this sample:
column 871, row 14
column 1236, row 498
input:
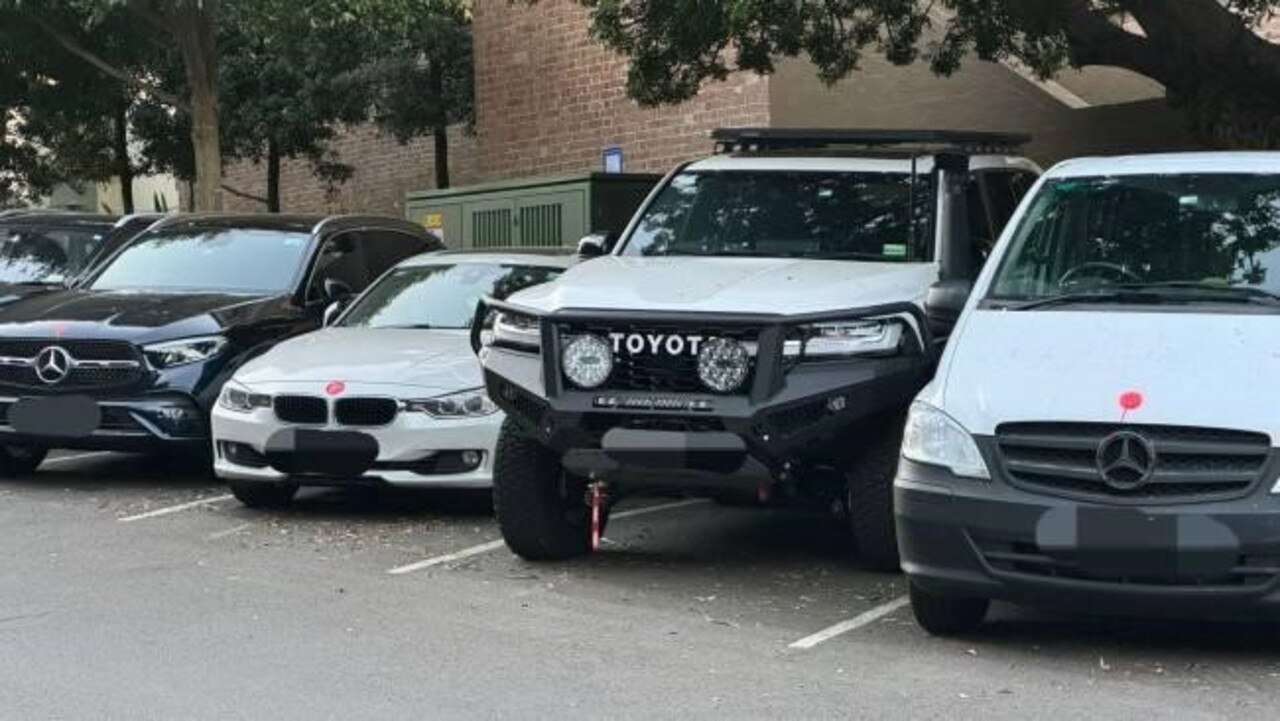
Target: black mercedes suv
column 134, row 355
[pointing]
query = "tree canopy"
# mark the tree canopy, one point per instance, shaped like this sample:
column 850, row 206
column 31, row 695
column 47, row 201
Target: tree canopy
column 203, row 81
column 1205, row 52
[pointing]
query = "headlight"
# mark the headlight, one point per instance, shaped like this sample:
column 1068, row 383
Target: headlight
column 587, row 361
column 934, row 438
column 516, row 330
column 472, row 403
column 847, row 338
column 723, row 364
column 236, row 397
column 182, row 352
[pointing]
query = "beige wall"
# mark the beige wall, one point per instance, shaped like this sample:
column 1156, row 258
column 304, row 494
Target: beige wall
column 982, row 96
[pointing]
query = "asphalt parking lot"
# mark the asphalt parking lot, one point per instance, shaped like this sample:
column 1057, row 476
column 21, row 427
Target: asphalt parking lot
column 135, row 588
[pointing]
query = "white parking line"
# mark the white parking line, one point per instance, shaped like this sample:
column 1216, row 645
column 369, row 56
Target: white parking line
column 852, row 624
column 495, row 545
column 77, row 457
column 176, row 509
column 229, row 531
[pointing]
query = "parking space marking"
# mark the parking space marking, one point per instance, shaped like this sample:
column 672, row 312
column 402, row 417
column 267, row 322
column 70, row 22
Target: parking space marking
column 229, row 531
column 77, row 457
column 495, row 545
column 176, row 509
column 852, row 624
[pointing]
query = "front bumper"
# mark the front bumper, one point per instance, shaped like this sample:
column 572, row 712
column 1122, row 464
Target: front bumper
column 406, row 450
column 988, row 539
column 790, row 416
column 142, row 423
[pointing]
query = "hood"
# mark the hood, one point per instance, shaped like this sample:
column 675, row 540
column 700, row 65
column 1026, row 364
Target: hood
column 1192, row 369
column 128, row 315
column 730, row 285
column 436, row 361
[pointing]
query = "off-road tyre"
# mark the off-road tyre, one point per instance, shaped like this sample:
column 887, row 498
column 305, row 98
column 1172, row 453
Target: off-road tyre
column 947, row 615
column 263, row 495
column 869, row 489
column 18, row 461
column 541, row 510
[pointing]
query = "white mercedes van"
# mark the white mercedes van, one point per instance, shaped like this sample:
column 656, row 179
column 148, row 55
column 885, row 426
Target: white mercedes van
column 1102, row 429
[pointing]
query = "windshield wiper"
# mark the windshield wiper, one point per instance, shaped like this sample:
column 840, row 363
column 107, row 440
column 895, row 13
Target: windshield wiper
column 1155, row 294
column 1197, row 291
column 849, row 255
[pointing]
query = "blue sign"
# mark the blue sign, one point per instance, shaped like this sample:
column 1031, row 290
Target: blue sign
column 613, row 159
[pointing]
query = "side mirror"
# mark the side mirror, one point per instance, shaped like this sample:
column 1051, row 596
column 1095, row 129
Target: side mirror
column 944, row 304
column 332, row 311
column 337, row 291
column 595, row 245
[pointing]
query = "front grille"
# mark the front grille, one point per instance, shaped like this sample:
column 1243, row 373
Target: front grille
column 365, row 411
column 1191, row 464
column 661, row 372
column 19, row 355
column 1025, row 557
column 302, row 409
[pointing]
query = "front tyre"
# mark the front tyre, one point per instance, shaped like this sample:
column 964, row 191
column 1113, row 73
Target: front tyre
column 263, row 495
column 870, row 498
column 541, row 509
column 18, row 461
column 947, row 615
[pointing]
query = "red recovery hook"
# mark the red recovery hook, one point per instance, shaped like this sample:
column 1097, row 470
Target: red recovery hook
column 597, row 498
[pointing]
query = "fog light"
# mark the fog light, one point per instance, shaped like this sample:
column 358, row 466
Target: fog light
column 588, row 361
column 471, row 459
column 723, row 364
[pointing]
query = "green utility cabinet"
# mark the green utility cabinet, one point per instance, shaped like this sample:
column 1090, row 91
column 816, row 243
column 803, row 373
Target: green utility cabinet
column 533, row 212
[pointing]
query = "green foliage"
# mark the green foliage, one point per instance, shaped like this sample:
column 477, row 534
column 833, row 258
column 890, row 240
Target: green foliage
column 677, row 45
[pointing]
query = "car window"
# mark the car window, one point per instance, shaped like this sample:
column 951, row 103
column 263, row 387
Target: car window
column 231, row 260
column 1005, row 189
column 342, row 259
column 440, row 296
column 866, row 216
column 45, row 254
column 386, row 248
column 1079, row 233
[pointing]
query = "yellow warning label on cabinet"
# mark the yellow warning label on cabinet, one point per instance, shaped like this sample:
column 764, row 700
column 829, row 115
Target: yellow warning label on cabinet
column 433, row 221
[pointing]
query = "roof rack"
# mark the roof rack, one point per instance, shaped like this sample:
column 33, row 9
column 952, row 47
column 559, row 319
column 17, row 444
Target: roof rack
column 916, row 142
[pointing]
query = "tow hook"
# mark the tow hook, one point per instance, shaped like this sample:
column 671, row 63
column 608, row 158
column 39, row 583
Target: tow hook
column 597, row 499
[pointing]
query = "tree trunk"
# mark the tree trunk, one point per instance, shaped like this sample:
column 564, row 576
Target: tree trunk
column 120, row 149
column 194, row 28
column 440, row 129
column 273, row 176
column 441, row 135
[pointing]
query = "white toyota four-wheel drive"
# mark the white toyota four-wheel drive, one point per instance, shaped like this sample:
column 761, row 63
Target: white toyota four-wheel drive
column 756, row 333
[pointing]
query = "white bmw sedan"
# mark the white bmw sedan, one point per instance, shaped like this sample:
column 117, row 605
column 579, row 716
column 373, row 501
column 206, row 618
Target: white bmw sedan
column 390, row 392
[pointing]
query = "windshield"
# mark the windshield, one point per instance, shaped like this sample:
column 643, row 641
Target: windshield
column 45, row 254
column 222, row 260
column 862, row 216
column 1216, row 232
column 440, row 296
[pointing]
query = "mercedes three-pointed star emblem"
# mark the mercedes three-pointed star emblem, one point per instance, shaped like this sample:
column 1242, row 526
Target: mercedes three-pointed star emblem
column 1126, row 460
column 53, row 364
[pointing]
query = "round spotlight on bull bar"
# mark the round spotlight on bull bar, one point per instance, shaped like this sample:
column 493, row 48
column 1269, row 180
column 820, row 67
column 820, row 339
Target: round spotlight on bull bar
column 587, row 361
column 723, row 364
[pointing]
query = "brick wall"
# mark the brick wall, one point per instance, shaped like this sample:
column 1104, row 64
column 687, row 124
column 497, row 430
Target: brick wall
column 384, row 172
column 549, row 98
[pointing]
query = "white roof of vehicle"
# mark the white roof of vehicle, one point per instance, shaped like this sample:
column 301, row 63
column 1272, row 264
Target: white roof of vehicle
column 848, row 164
column 533, row 258
column 1169, row 163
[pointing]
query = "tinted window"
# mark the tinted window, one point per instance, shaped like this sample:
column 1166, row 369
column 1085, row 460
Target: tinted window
column 234, row 260
column 342, row 259
column 1004, row 191
column 45, row 254
column 1080, row 233
column 440, row 296
column 789, row 214
column 385, row 248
